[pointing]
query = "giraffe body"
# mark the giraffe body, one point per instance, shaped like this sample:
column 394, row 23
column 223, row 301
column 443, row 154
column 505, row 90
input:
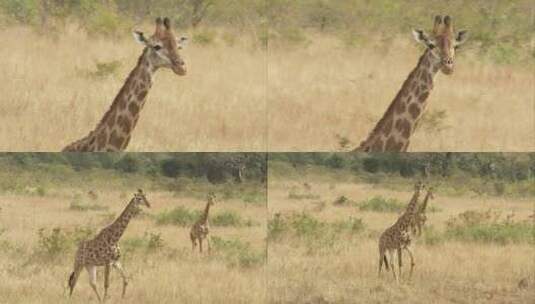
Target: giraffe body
column 115, row 129
column 394, row 129
column 397, row 238
column 103, row 249
column 200, row 230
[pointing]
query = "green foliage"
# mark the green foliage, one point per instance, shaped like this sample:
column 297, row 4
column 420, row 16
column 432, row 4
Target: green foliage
column 487, row 227
column 149, row 243
column 24, row 11
column 434, row 121
column 128, row 164
column 228, row 219
column 179, row 216
column 237, row 253
column 381, row 204
column 183, row 217
column 57, row 242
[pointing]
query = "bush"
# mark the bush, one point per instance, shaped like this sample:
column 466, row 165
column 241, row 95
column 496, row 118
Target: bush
column 179, row 216
column 342, row 201
column 277, row 227
column 371, row 165
column 128, row 164
column 237, row 253
column 150, row 242
column 170, row 167
column 486, row 227
column 57, row 242
column 381, row 204
column 227, row 219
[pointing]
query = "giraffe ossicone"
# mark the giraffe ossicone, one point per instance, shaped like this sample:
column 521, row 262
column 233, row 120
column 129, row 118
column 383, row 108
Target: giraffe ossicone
column 393, row 131
column 114, row 131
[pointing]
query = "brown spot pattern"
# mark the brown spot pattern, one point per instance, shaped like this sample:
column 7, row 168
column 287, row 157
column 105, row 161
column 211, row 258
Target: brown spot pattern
column 404, row 127
column 387, row 127
column 377, row 145
column 101, row 139
column 133, row 108
column 414, row 109
column 115, row 140
column 423, row 96
column 400, row 106
column 392, row 145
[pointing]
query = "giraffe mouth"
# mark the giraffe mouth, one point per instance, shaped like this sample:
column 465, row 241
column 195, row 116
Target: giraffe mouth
column 179, row 70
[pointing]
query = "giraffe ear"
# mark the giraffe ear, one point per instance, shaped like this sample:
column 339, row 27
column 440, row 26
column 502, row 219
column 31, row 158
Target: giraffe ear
column 181, row 42
column 421, row 37
column 139, row 37
column 461, row 38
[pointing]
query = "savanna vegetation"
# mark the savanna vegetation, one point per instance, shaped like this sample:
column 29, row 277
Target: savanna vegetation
column 266, row 74
column 50, row 202
column 327, row 211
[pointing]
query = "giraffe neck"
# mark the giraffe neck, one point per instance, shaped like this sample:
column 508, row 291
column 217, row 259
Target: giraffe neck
column 113, row 132
column 117, row 228
column 204, row 217
column 424, row 203
column 404, row 220
column 393, row 131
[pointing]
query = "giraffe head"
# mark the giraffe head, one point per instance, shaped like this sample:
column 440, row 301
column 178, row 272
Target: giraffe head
column 443, row 42
column 163, row 46
column 419, row 186
column 140, row 199
column 212, row 198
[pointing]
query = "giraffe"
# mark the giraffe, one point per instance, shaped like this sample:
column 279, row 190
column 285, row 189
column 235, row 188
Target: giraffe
column 393, row 131
column 201, row 228
column 397, row 237
column 115, row 129
column 103, row 249
column 421, row 218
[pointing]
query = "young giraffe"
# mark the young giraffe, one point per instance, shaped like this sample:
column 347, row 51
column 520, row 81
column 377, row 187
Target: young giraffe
column 396, row 237
column 420, row 217
column 201, row 228
column 103, row 249
column 392, row 133
column 115, row 129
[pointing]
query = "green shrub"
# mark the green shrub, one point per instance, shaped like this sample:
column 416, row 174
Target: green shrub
column 150, row 242
column 353, row 226
column 381, row 204
column 237, row 253
column 104, row 69
column 431, row 236
column 57, row 242
column 227, row 219
column 179, row 216
column 277, row 227
column 486, row 227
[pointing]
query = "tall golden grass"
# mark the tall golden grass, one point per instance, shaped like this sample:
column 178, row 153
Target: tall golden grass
column 172, row 275
column 241, row 98
column 446, row 272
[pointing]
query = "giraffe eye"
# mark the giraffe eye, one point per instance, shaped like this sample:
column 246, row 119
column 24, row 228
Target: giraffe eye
column 157, row 47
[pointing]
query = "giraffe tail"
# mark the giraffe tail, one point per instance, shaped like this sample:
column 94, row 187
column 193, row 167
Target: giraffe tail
column 384, row 260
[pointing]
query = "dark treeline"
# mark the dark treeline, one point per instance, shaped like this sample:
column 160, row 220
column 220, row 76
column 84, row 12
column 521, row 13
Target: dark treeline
column 216, row 167
column 510, row 167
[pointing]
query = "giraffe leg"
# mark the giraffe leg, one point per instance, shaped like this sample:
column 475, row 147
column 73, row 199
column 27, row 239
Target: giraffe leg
column 92, row 271
column 106, row 280
column 208, row 242
column 117, row 265
column 412, row 261
column 382, row 259
column 74, row 278
column 193, row 244
column 200, row 244
column 391, row 258
column 400, row 263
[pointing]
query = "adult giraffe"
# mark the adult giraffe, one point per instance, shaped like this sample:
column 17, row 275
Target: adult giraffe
column 392, row 133
column 115, row 129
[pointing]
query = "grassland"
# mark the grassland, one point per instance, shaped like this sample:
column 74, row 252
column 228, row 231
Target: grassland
column 312, row 260
column 238, row 96
column 157, row 256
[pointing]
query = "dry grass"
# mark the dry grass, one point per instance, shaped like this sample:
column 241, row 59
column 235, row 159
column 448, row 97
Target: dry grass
column 240, row 98
column 172, row 275
column 448, row 272
column 327, row 90
column 46, row 103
